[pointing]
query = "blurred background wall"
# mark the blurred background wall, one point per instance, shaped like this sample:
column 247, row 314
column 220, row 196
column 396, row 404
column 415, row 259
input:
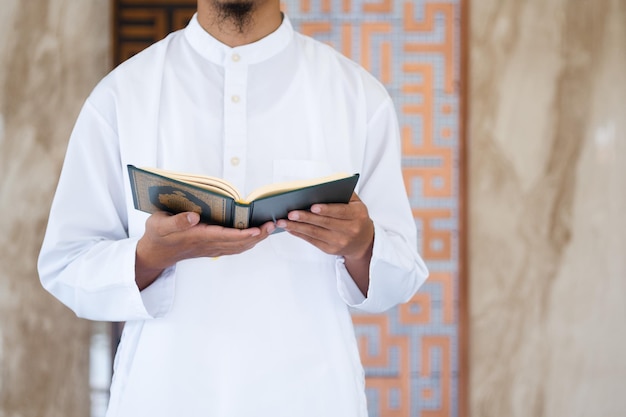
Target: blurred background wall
column 52, row 52
column 547, row 199
column 546, row 144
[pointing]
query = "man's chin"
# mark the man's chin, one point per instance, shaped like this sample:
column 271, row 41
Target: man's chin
column 237, row 13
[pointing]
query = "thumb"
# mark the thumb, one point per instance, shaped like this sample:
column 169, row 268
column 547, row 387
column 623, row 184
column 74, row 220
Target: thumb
column 178, row 222
column 187, row 220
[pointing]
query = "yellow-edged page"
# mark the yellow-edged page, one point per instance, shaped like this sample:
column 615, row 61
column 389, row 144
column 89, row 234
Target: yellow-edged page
column 283, row 187
column 214, row 184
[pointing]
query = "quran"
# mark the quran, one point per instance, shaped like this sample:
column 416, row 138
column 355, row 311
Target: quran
column 219, row 202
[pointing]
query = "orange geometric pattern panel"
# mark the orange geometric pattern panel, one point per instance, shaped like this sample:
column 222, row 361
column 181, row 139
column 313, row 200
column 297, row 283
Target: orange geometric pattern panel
column 411, row 353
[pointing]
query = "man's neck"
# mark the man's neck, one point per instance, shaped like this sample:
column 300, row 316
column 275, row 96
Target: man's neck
column 263, row 18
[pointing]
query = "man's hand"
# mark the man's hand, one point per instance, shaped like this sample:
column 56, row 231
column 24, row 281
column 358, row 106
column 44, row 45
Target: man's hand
column 338, row 229
column 172, row 238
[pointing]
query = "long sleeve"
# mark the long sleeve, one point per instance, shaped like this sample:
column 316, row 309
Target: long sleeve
column 87, row 259
column 396, row 268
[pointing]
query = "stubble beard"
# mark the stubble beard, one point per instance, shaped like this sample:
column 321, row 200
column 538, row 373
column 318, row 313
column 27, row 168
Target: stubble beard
column 234, row 13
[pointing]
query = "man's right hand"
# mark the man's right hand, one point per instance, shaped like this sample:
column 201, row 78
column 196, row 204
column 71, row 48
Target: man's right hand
column 172, row 238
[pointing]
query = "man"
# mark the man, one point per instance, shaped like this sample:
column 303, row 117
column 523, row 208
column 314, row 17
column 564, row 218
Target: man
column 219, row 321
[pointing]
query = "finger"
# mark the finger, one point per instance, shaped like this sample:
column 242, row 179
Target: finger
column 164, row 223
column 333, row 218
column 220, row 241
column 322, row 245
column 352, row 209
column 337, row 211
column 187, row 220
column 296, row 218
column 268, row 228
column 310, row 229
column 229, row 234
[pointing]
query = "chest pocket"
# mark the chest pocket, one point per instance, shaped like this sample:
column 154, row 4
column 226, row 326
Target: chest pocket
column 284, row 244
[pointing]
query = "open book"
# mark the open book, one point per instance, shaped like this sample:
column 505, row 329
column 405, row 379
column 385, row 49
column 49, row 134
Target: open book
column 219, row 202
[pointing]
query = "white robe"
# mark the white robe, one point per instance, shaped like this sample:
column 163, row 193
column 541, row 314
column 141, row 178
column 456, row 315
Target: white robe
column 267, row 332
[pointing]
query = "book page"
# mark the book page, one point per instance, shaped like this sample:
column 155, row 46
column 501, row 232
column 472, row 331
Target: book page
column 283, row 187
column 214, row 184
column 223, row 187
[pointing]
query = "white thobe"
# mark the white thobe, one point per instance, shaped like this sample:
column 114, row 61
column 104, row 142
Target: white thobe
column 267, row 332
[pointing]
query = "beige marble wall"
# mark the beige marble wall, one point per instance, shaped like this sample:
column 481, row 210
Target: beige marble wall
column 547, row 201
column 52, row 52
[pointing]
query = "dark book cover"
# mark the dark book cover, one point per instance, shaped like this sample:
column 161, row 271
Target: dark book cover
column 155, row 192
